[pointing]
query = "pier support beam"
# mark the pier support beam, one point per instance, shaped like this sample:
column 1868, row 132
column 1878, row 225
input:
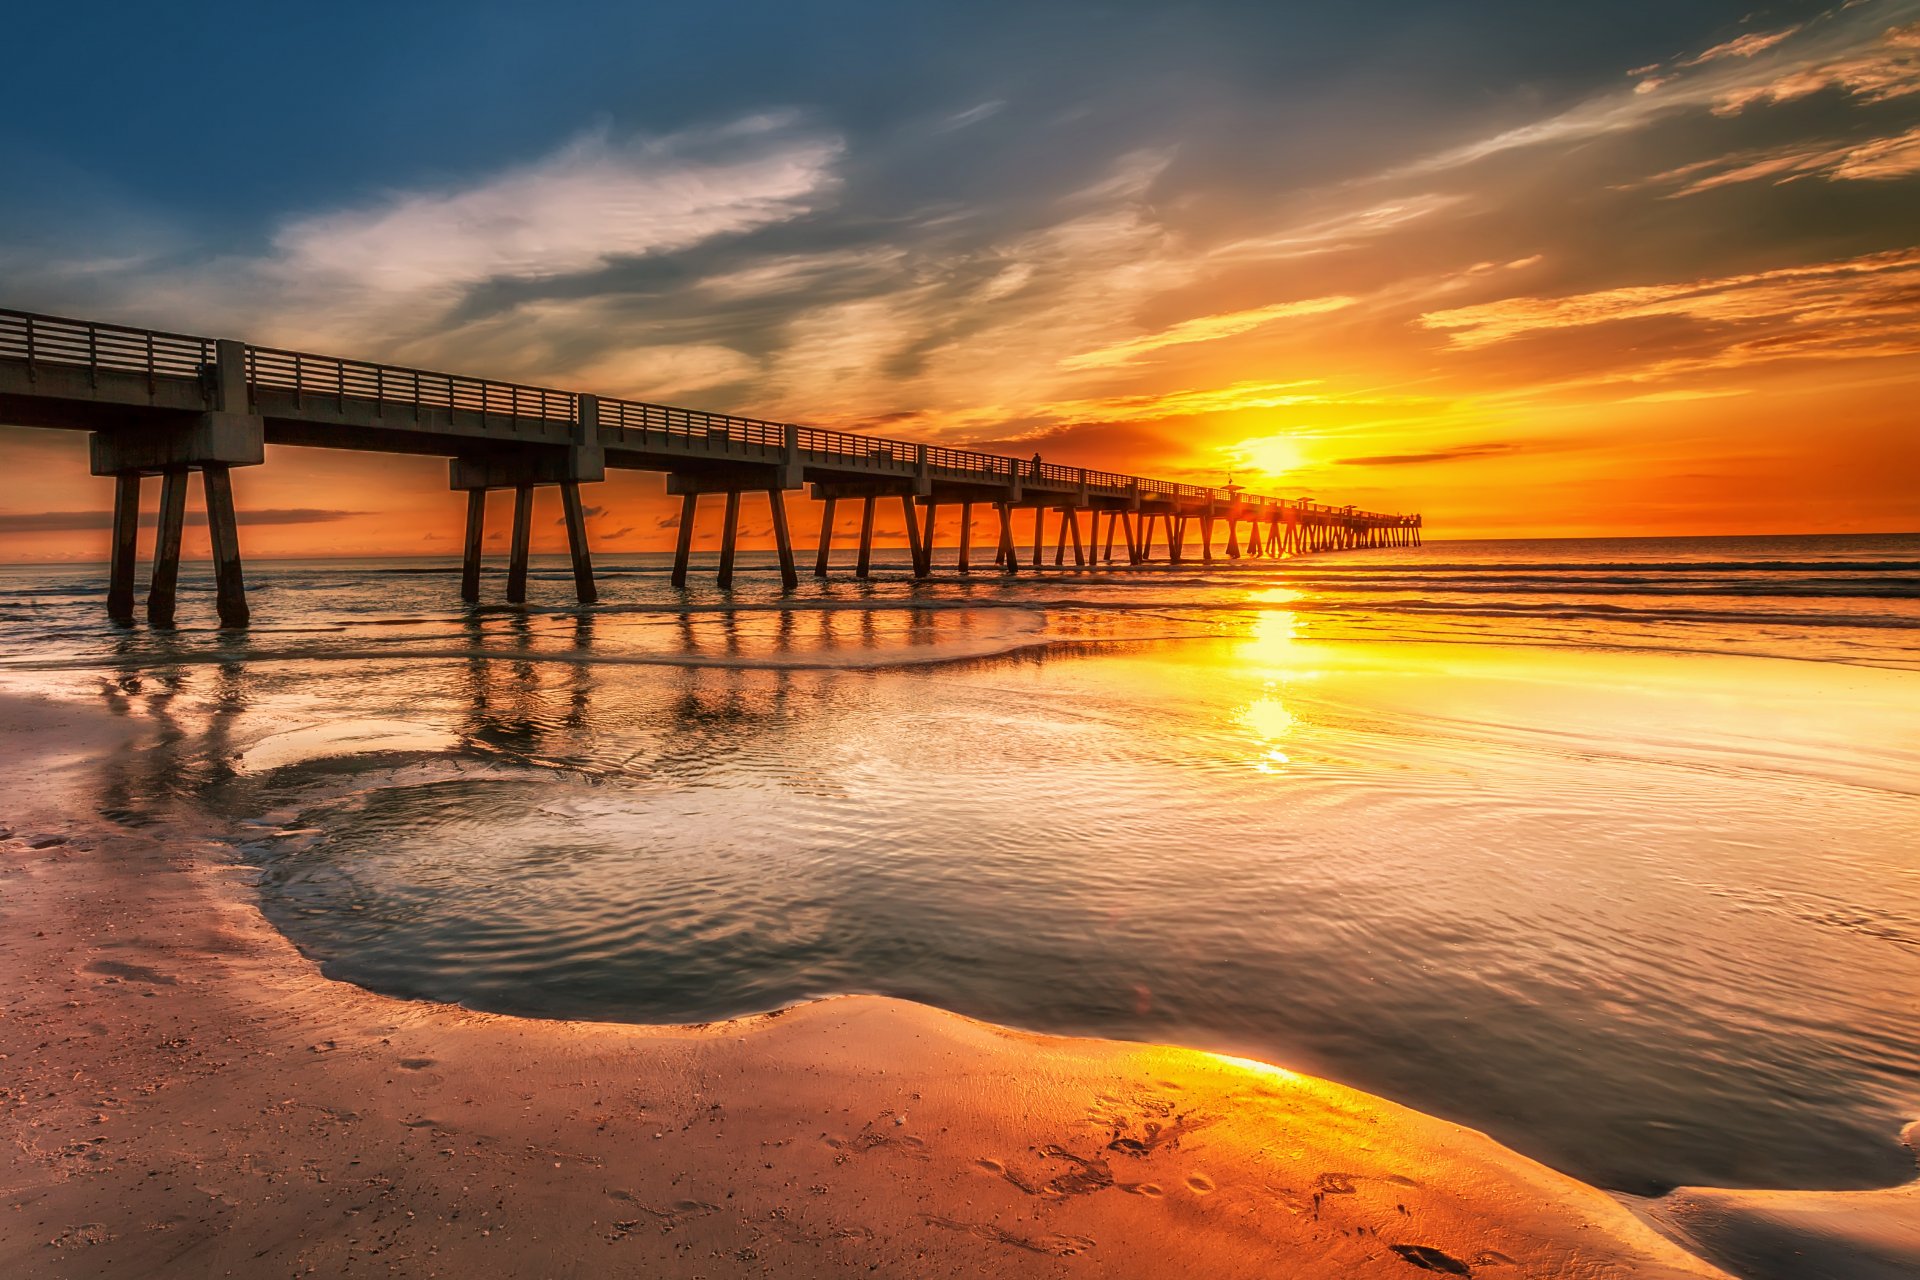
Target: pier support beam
column 966, row 536
column 223, row 533
column 826, row 537
column 1008, row 559
column 518, row 547
column 865, row 561
column 1039, row 532
column 783, row 539
column 683, row 544
column 915, row 543
column 125, row 552
column 583, row 589
column 1079, row 548
column 729, row 533
column 161, row 587
column 476, row 532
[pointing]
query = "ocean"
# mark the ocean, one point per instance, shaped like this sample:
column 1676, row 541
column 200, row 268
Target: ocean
column 1605, row 847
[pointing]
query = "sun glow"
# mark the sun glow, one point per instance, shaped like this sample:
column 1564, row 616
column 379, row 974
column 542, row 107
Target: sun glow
column 1270, row 458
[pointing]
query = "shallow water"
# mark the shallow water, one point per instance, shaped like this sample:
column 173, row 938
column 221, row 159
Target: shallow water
column 1605, row 848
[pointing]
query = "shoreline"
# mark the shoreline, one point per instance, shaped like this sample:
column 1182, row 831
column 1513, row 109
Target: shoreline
column 185, row 1093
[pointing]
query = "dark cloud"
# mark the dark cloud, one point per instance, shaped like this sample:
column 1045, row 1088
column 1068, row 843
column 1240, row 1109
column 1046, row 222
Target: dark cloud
column 72, row 521
column 1438, row 455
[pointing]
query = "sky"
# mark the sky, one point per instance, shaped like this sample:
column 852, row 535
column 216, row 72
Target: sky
column 1639, row 268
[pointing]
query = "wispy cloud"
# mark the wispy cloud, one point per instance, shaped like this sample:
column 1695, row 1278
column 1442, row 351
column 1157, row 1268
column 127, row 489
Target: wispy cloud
column 1454, row 453
column 1889, row 67
column 395, row 269
column 76, row 521
column 1204, row 329
column 1857, row 55
column 1877, row 159
column 1858, row 308
column 1745, row 46
column 1180, row 404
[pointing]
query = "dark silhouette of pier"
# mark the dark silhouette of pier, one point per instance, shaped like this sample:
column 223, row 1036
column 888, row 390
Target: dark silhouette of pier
column 169, row 405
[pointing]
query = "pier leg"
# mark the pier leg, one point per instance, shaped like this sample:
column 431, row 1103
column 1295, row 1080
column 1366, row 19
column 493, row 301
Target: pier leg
column 1039, row 532
column 683, row 545
column 866, row 539
column 583, row 588
column 1133, row 542
column 470, row 560
column 517, row 550
column 783, row 539
column 966, row 535
column 913, row 534
column 1176, row 539
column 223, row 532
column 1009, row 558
column 166, row 547
column 826, row 537
column 1206, row 537
column 126, row 526
column 1233, row 538
column 1060, row 542
column 926, row 541
column 729, row 533
column 1079, row 549
column 1113, row 525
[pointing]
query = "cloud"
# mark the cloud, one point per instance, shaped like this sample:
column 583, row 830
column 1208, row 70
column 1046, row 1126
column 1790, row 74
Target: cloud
column 1888, row 68
column 590, row 512
column 1869, row 64
column 1743, row 46
column 1454, row 454
column 395, row 269
column 1878, row 159
column 1179, row 404
column 591, row 202
column 1827, row 305
column 76, row 521
column 1204, row 329
column 1336, row 232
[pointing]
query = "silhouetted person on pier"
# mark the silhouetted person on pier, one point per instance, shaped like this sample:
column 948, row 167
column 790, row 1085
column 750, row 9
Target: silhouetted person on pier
column 1036, row 466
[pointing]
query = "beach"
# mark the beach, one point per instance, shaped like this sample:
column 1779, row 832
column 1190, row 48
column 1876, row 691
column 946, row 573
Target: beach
column 685, row 938
column 187, row 1095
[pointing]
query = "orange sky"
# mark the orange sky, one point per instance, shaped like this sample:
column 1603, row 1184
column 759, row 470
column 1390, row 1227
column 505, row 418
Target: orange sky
column 1685, row 299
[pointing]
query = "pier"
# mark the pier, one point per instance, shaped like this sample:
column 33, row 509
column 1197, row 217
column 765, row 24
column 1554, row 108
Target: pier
column 170, row 405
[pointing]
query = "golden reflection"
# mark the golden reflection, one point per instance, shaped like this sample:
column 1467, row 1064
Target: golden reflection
column 1274, row 631
column 1259, row 1068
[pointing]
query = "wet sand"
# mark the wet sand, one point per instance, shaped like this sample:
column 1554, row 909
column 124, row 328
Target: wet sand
column 183, row 1093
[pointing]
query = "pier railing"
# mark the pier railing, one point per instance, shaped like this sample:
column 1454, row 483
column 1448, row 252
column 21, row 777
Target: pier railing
column 43, row 341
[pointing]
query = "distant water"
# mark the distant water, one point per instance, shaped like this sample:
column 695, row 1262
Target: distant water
column 1607, row 847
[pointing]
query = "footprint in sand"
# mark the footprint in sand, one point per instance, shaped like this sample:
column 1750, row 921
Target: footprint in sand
column 416, row 1064
column 1142, row 1188
column 992, row 1166
column 1200, row 1184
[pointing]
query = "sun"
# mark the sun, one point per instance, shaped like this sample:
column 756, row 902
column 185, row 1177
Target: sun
column 1276, row 456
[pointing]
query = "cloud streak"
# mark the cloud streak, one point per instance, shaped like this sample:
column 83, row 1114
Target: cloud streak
column 1204, row 329
column 83, row 521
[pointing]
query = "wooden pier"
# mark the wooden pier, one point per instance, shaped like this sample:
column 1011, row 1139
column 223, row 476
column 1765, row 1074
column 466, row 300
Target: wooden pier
column 169, row 405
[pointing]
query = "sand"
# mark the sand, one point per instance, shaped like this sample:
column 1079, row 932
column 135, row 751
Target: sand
column 183, row 1093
